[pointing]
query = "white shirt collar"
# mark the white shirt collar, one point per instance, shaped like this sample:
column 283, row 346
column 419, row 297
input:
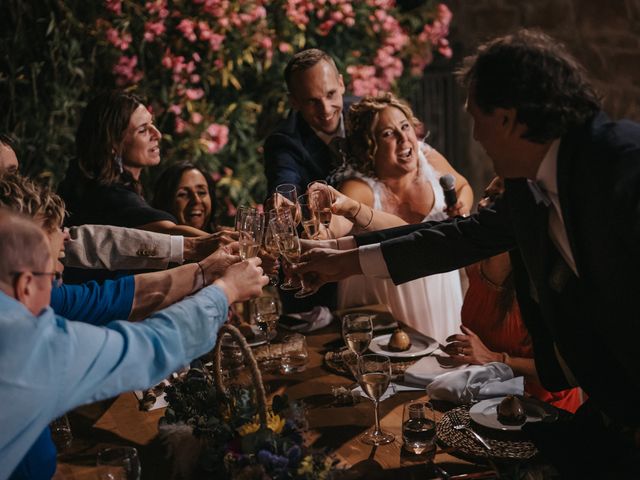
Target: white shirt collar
column 547, row 175
column 340, row 132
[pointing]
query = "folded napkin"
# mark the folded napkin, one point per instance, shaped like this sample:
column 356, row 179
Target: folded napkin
column 425, row 370
column 314, row 319
column 476, row 382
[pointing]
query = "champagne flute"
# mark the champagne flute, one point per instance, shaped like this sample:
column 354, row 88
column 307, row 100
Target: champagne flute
column 271, row 247
column 310, row 221
column 287, row 197
column 357, row 331
column 374, row 375
column 251, row 230
column 241, row 213
column 266, row 312
column 289, row 244
column 322, row 199
column 280, row 222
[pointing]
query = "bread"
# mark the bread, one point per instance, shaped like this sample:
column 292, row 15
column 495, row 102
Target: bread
column 511, row 411
column 399, row 341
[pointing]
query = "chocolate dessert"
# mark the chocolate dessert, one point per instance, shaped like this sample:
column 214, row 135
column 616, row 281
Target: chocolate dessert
column 511, row 411
column 399, row 341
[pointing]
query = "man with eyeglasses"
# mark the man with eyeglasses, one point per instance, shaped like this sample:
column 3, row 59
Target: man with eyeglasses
column 49, row 365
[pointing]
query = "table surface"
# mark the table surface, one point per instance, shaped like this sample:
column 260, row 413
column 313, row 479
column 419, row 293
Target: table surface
column 120, row 422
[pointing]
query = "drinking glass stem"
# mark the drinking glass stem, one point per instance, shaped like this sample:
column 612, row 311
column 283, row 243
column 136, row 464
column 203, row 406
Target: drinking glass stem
column 376, row 404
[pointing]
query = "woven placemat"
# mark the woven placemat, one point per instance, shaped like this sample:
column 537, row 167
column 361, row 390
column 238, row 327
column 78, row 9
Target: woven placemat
column 333, row 361
column 516, row 449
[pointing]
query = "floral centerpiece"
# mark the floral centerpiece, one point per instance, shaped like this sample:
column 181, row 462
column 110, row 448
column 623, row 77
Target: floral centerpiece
column 233, row 437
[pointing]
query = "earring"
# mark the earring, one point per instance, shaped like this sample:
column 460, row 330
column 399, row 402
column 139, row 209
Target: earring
column 118, row 159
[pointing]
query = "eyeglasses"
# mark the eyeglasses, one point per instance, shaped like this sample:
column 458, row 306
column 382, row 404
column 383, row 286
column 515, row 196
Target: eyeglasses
column 56, row 277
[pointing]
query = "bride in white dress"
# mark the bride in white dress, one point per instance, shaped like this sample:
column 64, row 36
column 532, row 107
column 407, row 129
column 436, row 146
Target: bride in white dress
column 394, row 180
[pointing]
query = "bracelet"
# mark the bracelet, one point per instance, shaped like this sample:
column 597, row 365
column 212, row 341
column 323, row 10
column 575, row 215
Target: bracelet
column 204, row 281
column 370, row 220
column 357, row 212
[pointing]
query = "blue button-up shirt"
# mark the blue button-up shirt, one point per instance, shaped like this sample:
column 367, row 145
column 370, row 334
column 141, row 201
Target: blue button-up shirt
column 49, row 365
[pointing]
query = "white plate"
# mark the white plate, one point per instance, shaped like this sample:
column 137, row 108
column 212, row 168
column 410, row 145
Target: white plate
column 420, row 346
column 485, row 413
column 258, row 339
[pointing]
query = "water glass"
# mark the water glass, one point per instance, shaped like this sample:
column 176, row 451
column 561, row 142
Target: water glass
column 418, row 427
column 61, row 433
column 118, row 463
column 294, row 353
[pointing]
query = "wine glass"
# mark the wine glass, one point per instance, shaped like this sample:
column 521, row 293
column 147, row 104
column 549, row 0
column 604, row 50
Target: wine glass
column 374, row 375
column 118, row 463
column 321, row 199
column 266, row 312
column 281, row 221
column 287, row 198
column 357, row 331
column 310, row 220
column 289, row 245
column 251, row 229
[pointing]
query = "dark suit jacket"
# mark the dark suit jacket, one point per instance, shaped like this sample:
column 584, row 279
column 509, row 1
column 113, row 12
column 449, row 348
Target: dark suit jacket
column 293, row 153
column 592, row 320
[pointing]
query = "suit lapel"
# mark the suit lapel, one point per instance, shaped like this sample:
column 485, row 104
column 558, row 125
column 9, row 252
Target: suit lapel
column 319, row 152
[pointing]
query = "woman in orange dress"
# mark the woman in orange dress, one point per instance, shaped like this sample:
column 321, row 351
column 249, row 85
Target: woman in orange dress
column 493, row 330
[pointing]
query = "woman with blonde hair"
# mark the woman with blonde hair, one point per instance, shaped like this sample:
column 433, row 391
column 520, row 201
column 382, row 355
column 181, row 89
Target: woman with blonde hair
column 392, row 179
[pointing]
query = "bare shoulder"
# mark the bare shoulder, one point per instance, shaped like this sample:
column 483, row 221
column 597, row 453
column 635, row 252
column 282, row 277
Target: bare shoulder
column 357, row 189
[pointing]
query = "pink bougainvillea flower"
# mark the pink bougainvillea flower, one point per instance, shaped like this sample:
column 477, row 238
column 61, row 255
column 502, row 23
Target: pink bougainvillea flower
column 186, row 26
column 196, row 118
column 180, row 125
column 175, row 109
column 153, row 30
column 194, row 93
column 121, row 42
column 285, row 47
column 114, row 5
column 125, row 70
column 215, row 137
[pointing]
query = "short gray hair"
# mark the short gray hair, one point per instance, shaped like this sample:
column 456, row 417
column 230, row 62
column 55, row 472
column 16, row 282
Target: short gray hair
column 23, row 245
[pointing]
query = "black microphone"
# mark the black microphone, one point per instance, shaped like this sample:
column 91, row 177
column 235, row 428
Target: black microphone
column 448, row 184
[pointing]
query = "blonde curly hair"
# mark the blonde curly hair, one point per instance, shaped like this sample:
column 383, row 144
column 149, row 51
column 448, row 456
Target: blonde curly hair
column 360, row 125
column 23, row 195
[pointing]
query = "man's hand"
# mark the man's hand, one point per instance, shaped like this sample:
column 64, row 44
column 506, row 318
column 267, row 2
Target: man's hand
column 307, row 245
column 323, row 265
column 197, row 248
column 217, row 263
column 243, row 280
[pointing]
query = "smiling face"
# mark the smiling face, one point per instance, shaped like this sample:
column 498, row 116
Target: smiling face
column 317, row 95
column 8, row 159
column 192, row 201
column 397, row 145
column 141, row 143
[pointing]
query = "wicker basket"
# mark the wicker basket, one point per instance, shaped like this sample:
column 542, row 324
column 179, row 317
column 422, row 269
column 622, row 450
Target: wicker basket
column 249, row 360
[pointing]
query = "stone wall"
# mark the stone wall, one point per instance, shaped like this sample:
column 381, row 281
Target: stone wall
column 603, row 35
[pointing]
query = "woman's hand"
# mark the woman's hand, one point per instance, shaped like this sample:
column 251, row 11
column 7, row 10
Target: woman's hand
column 343, row 205
column 457, row 210
column 468, row 348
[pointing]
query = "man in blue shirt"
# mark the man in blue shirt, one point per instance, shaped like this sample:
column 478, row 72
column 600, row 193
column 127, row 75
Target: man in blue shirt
column 49, row 365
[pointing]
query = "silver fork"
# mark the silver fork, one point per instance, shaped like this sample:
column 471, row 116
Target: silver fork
column 458, row 424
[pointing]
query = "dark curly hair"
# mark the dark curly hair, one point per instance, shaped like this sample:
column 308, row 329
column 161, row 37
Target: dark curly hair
column 167, row 185
column 536, row 75
column 102, row 128
column 360, row 124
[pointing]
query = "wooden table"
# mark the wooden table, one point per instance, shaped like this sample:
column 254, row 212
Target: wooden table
column 119, row 422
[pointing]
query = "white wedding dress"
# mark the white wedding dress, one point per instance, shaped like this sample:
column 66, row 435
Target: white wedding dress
column 431, row 304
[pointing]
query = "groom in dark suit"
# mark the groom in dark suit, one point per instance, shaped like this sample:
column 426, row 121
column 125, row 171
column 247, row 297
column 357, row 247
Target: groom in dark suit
column 304, row 147
column 570, row 217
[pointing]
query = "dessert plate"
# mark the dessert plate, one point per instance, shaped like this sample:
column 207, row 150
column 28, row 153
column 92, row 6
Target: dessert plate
column 421, row 345
column 485, row 413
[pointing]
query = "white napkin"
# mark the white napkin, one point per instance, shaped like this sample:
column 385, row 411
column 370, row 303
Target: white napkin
column 315, row 319
column 476, row 382
column 425, row 370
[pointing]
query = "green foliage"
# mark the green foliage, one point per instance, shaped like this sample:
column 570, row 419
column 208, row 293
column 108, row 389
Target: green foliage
column 211, row 71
